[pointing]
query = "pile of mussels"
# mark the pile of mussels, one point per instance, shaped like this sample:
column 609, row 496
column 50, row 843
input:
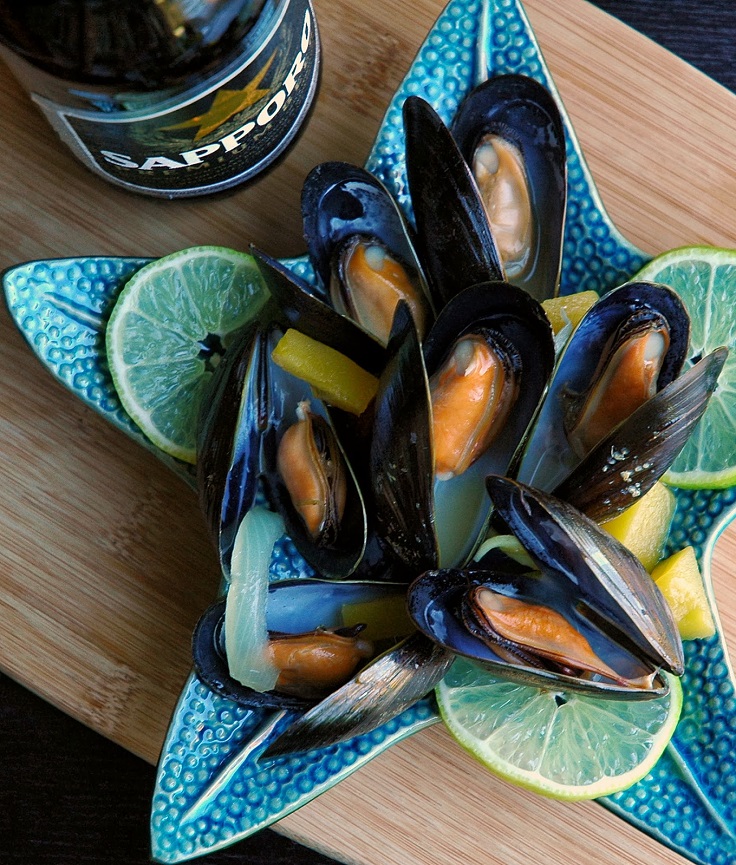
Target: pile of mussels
column 478, row 427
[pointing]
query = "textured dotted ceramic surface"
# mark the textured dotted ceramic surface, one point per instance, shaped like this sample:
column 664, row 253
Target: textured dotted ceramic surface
column 211, row 791
column 61, row 307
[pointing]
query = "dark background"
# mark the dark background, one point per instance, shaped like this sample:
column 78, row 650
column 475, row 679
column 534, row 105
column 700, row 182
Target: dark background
column 68, row 795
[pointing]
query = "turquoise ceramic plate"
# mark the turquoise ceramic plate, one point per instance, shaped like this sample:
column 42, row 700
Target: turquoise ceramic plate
column 210, row 791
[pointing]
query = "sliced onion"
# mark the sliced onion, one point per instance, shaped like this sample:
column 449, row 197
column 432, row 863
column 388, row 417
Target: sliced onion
column 246, row 633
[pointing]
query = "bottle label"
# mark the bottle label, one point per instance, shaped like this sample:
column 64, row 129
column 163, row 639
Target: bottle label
column 222, row 134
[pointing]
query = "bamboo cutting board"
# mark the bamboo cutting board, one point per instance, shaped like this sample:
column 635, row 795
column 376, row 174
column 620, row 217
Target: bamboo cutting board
column 104, row 563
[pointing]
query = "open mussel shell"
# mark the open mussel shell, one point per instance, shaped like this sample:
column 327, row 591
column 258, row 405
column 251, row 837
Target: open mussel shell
column 584, row 575
column 427, row 521
column 511, row 134
column 362, row 247
column 629, row 461
column 549, row 456
column 210, row 665
column 436, row 603
column 294, row 607
column 506, row 317
column 504, row 309
column 303, row 310
column 454, row 242
column 249, row 408
column 610, row 580
column 310, row 470
column 233, row 418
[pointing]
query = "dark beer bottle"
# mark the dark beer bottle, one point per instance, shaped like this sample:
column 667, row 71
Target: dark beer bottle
column 170, row 98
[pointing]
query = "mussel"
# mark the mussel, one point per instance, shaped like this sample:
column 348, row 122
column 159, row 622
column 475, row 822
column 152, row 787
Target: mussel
column 313, row 470
column 629, row 345
column 308, row 479
column 426, row 519
column 362, row 248
column 472, row 393
column 454, row 241
column 316, row 640
column 634, row 455
column 392, row 683
column 626, row 376
column 532, row 634
column 367, row 283
column 401, row 456
column 511, row 134
column 252, row 440
column 314, row 664
column 232, row 421
column 588, row 617
column 500, row 172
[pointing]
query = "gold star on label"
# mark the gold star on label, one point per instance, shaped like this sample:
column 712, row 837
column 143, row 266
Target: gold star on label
column 226, row 104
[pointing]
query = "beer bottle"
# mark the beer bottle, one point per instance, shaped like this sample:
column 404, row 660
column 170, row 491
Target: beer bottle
column 169, row 98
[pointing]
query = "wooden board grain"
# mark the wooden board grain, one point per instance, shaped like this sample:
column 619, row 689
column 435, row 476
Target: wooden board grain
column 104, row 564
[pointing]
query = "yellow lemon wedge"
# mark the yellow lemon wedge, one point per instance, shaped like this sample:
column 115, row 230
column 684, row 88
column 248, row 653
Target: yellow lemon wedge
column 335, row 378
column 643, row 528
column 679, row 579
column 568, row 309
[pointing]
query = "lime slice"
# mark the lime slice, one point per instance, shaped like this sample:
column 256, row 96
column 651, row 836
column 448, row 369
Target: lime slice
column 564, row 745
column 166, row 333
column 705, row 278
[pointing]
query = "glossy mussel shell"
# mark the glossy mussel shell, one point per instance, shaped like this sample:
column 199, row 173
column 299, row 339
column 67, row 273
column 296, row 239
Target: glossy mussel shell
column 346, row 211
column 401, row 458
column 549, row 457
column 232, row 421
column 522, row 117
column 420, row 518
column 294, row 607
column 627, row 463
column 508, row 315
column 335, row 552
column 583, row 574
column 454, row 241
column 251, row 406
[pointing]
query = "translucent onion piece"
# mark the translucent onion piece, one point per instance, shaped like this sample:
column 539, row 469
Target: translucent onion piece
column 246, row 634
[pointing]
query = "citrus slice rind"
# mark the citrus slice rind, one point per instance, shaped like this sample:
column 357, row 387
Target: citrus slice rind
column 162, row 328
column 563, row 745
column 705, row 279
